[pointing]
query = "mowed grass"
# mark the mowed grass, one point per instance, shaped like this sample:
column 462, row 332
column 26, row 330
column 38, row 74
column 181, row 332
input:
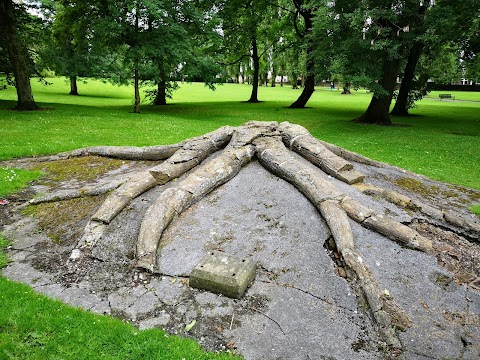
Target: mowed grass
column 441, row 141
column 13, row 179
column 34, row 327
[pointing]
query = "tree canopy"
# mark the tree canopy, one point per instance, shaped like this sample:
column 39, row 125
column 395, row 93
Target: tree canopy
column 368, row 43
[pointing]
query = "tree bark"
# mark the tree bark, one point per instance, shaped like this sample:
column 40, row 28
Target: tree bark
column 256, row 72
column 400, row 108
column 346, row 88
column 309, row 80
column 17, row 55
column 73, row 86
column 378, row 111
column 136, row 105
column 161, row 97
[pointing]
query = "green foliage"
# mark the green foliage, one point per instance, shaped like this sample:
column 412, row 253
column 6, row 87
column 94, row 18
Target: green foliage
column 31, row 35
column 72, row 47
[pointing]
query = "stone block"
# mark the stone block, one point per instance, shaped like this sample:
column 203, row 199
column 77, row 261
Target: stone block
column 224, row 274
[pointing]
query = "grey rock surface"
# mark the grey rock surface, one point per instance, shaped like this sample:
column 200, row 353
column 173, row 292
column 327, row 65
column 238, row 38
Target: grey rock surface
column 298, row 306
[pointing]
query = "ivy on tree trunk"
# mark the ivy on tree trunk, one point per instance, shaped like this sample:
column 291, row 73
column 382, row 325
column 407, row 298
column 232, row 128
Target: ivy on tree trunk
column 161, row 97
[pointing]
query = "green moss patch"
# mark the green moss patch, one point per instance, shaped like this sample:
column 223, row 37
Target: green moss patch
column 64, row 220
column 85, row 168
column 475, row 209
column 417, row 187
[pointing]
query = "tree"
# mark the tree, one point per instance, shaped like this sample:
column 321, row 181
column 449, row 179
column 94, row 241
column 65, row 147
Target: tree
column 371, row 38
column 304, row 9
column 433, row 35
column 248, row 33
column 17, row 54
column 72, row 50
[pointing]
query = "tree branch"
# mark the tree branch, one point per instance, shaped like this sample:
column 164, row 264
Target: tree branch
column 234, row 62
column 281, row 7
column 295, row 25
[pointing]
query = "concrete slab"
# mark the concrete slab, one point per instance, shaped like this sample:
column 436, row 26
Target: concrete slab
column 222, row 273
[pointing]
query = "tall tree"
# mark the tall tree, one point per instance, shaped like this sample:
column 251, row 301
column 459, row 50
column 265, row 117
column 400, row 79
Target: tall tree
column 372, row 38
column 72, row 50
column 17, row 54
column 248, row 33
column 305, row 10
column 433, row 34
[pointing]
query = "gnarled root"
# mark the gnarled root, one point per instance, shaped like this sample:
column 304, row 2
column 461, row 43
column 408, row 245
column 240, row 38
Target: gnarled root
column 176, row 199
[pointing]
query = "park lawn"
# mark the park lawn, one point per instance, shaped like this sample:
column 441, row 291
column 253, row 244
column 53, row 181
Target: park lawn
column 442, row 142
column 12, row 180
column 459, row 95
column 34, row 327
column 3, row 257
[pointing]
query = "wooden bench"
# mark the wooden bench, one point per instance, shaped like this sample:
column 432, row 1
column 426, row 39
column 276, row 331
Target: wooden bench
column 446, row 96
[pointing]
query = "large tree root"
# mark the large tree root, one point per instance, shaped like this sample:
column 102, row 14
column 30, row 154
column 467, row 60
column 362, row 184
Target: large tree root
column 449, row 219
column 273, row 145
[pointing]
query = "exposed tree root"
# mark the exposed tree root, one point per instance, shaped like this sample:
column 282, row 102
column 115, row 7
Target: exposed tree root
column 273, row 145
column 62, row 195
column 466, row 227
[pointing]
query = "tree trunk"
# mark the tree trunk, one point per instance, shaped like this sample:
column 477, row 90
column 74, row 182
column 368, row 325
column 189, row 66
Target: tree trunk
column 309, row 80
column 346, row 88
column 73, row 86
column 136, row 105
column 274, row 75
column 378, row 110
column 401, row 108
column 281, row 81
column 256, row 72
column 161, row 97
column 17, row 55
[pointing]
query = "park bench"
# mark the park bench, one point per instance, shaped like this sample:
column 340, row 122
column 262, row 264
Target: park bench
column 446, row 96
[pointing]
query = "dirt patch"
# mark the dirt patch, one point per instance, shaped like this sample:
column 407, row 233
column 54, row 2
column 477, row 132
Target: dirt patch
column 454, row 253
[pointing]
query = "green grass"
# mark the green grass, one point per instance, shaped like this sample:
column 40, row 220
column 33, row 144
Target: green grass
column 3, row 257
column 459, row 95
column 35, row 327
column 475, row 209
column 442, row 142
column 12, row 180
